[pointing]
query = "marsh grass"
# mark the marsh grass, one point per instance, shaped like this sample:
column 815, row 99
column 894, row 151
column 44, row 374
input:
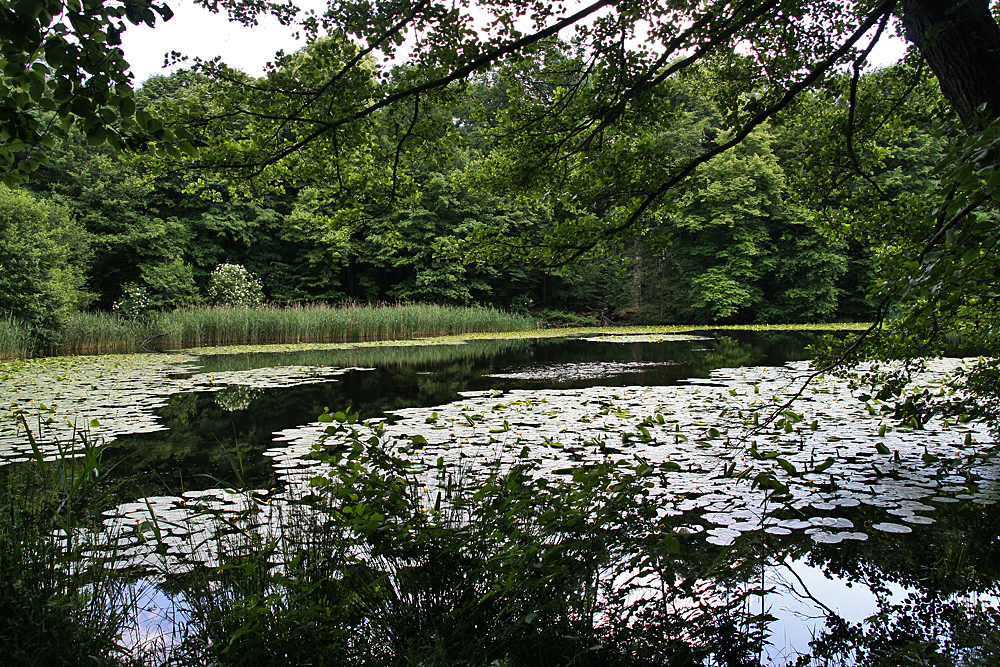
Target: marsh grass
column 325, row 324
column 58, row 606
column 16, row 338
column 99, row 332
column 96, row 333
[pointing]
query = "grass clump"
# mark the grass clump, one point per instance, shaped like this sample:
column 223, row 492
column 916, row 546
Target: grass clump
column 58, row 606
column 210, row 326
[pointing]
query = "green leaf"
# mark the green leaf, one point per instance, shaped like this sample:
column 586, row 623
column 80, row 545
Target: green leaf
column 824, row 465
column 126, row 107
column 97, row 135
column 787, row 467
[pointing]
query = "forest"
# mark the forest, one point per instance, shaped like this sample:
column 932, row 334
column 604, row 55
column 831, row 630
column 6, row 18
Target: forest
column 740, row 164
column 753, row 239
column 767, row 176
column 511, row 499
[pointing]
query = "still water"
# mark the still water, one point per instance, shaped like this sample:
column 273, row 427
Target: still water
column 894, row 556
column 205, row 432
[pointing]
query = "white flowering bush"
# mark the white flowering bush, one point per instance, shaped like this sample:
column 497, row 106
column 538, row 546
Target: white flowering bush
column 233, row 285
column 134, row 302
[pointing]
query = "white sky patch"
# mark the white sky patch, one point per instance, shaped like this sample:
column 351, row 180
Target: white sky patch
column 194, row 31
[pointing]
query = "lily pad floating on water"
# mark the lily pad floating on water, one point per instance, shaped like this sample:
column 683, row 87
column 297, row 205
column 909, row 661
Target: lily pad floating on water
column 581, row 371
column 662, row 428
column 113, row 395
column 722, row 537
column 887, row 527
column 644, row 338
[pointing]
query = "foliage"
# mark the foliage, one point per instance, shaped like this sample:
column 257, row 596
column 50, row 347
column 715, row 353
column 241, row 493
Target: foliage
column 62, row 67
column 171, row 285
column 57, row 607
column 738, row 252
column 134, row 302
column 42, row 253
column 924, row 194
column 331, row 76
column 233, row 285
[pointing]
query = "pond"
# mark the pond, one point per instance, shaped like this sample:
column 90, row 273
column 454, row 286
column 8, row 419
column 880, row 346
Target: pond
column 827, row 535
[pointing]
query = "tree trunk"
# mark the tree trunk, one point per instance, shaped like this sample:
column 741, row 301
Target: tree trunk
column 961, row 41
column 637, row 276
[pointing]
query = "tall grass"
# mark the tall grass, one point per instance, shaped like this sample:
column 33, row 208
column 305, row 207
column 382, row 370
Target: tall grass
column 199, row 327
column 58, row 606
column 16, row 339
column 93, row 333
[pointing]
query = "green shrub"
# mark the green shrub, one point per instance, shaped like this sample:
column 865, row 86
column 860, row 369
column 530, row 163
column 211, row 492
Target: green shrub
column 42, row 252
column 233, row 285
column 134, row 302
column 171, row 284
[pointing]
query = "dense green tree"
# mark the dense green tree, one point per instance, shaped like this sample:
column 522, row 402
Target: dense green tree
column 43, row 254
column 314, row 252
column 111, row 203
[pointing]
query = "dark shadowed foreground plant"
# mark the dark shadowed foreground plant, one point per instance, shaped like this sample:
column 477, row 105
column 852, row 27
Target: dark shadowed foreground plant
column 57, row 607
column 510, row 569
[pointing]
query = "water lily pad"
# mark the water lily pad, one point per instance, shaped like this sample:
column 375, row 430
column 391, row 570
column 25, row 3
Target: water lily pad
column 644, row 338
column 722, row 537
column 892, row 527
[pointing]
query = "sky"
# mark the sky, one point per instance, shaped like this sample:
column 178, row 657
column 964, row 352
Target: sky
column 195, row 31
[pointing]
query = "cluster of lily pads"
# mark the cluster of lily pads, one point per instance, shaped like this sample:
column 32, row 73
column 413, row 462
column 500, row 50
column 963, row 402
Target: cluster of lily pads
column 726, row 451
column 61, row 398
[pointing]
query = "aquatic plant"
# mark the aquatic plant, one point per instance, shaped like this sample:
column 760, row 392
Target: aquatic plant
column 518, row 570
column 90, row 333
column 57, row 605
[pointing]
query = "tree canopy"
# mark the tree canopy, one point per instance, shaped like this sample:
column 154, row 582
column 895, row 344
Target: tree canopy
column 609, row 116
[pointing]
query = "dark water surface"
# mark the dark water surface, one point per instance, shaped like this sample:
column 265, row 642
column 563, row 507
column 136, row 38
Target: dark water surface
column 927, row 597
column 220, row 436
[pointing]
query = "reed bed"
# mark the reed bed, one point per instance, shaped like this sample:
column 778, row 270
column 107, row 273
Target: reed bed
column 104, row 333
column 208, row 327
column 16, row 338
column 204, row 326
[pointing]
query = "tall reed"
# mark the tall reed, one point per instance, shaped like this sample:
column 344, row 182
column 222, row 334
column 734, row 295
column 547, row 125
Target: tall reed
column 16, row 340
column 93, row 333
column 204, row 326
